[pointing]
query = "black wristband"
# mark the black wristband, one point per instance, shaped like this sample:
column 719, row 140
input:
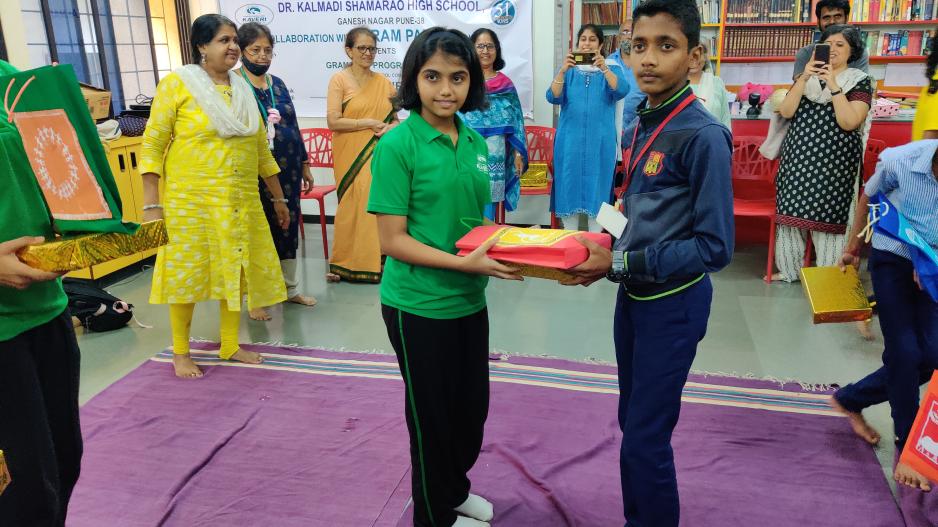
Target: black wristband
column 838, row 92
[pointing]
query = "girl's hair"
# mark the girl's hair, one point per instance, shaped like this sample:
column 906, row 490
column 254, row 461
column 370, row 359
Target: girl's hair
column 931, row 65
column 204, row 30
column 451, row 42
column 250, row 32
column 596, row 30
column 354, row 33
column 499, row 61
column 851, row 35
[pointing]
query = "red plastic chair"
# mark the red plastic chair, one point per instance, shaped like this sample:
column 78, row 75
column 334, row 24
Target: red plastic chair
column 318, row 143
column 755, row 174
column 540, row 142
column 874, row 147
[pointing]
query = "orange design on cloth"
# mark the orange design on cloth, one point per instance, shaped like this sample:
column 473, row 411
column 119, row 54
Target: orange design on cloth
column 552, row 248
column 921, row 448
column 70, row 188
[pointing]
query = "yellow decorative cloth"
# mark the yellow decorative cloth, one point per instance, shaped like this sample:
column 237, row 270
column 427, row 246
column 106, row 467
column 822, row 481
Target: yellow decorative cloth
column 212, row 207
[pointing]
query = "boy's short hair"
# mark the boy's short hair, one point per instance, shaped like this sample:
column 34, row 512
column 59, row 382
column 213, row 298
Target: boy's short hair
column 851, row 35
column 832, row 4
column 449, row 41
column 684, row 11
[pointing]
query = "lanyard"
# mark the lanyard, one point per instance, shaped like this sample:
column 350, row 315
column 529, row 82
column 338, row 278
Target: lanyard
column 270, row 90
column 629, row 170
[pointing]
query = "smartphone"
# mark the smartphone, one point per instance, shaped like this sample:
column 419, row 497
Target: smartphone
column 584, row 58
column 822, row 53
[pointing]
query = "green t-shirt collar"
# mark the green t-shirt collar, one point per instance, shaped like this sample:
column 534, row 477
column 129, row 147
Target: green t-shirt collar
column 426, row 132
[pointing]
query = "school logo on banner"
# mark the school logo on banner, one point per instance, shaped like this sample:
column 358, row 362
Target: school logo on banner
column 260, row 14
column 654, row 164
column 503, row 12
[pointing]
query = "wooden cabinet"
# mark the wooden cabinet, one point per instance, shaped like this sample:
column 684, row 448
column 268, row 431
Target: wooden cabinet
column 123, row 156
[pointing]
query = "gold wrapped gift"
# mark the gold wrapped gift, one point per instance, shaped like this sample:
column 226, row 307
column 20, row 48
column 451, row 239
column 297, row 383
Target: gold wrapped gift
column 835, row 295
column 535, row 177
column 4, row 473
column 70, row 254
column 536, row 271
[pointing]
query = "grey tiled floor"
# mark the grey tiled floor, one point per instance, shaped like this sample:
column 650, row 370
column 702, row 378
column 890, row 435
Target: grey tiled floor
column 755, row 329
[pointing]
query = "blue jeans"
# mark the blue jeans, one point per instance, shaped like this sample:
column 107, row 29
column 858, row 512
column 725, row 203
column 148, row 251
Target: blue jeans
column 656, row 342
column 909, row 320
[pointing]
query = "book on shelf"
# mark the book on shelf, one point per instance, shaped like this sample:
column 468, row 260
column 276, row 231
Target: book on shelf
column 606, row 13
column 893, row 10
column 900, row 43
column 709, row 11
column 765, row 41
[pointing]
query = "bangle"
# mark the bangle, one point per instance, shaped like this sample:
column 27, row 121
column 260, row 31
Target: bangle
column 280, row 200
column 151, row 207
column 605, row 71
column 557, row 82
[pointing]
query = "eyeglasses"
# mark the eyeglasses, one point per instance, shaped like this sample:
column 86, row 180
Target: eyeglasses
column 367, row 50
column 258, row 52
column 485, row 47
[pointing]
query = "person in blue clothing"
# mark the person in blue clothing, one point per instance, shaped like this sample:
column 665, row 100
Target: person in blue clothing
column 908, row 177
column 679, row 202
column 585, row 145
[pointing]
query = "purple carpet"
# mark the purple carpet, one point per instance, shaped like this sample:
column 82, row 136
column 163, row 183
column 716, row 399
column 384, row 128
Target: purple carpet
column 315, row 438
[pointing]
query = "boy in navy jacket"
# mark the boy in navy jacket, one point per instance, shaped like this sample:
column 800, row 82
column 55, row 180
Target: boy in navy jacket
column 679, row 204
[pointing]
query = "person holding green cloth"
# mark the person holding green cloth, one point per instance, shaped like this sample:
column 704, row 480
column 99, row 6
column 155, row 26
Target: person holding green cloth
column 39, row 356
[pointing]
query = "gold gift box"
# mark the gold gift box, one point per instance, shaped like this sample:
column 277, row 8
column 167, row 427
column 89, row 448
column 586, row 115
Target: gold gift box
column 70, row 254
column 536, row 271
column 535, row 177
column 4, row 473
column 835, row 295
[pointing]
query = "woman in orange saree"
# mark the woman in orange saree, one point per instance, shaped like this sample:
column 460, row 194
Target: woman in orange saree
column 359, row 112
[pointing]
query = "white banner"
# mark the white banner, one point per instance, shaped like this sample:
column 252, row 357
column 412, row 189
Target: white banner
column 309, row 37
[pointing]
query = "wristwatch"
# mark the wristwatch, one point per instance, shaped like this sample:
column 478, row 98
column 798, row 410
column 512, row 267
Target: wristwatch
column 619, row 271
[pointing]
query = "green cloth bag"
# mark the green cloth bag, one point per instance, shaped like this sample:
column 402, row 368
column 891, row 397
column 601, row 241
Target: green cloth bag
column 56, row 88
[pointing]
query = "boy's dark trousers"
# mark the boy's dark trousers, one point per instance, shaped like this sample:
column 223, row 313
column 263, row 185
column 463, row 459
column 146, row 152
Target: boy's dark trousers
column 39, row 430
column 445, row 368
column 909, row 320
column 656, row 342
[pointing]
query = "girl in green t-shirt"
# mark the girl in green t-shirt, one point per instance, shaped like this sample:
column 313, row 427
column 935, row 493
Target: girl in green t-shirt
column 430, row 187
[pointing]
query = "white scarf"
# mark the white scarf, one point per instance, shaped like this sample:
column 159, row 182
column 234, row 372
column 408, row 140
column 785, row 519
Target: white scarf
column 847, row 79
column 239, row 119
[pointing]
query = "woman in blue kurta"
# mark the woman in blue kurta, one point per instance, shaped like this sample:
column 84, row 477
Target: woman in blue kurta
column 501, row 124
column 585, row 146
column 287, row 148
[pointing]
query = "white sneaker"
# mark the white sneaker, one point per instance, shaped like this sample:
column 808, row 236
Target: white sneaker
column 477, row 507
column 462, row 521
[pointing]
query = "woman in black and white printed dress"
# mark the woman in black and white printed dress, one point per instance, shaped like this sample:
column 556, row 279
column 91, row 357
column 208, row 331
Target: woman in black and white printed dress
column 819, row 173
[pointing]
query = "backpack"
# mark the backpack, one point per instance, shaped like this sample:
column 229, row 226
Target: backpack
column 95, row 308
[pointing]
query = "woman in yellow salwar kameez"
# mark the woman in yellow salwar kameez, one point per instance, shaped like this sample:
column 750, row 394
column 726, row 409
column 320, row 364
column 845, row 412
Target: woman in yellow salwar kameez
column 359, row 112
column 204, row 138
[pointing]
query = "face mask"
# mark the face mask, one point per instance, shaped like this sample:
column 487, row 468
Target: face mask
column 255, row 69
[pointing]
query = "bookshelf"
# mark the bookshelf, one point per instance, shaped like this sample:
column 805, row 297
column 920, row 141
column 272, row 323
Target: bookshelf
column 760, row 33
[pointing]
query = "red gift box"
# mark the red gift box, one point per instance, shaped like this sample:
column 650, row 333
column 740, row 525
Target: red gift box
column 542, row 253
column 921, row 448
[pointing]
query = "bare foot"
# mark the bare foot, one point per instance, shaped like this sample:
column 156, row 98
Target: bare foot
column 776, row 277
column 333, row 278
column 865, row 331
column 259, row 314
column 908, row 476
column 185, row 367
column 247, row 357
column 859, row 424
column 303, row 300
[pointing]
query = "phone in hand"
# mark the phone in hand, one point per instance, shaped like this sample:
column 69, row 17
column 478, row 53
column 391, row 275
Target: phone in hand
column 584, row 58
column 822, row 53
